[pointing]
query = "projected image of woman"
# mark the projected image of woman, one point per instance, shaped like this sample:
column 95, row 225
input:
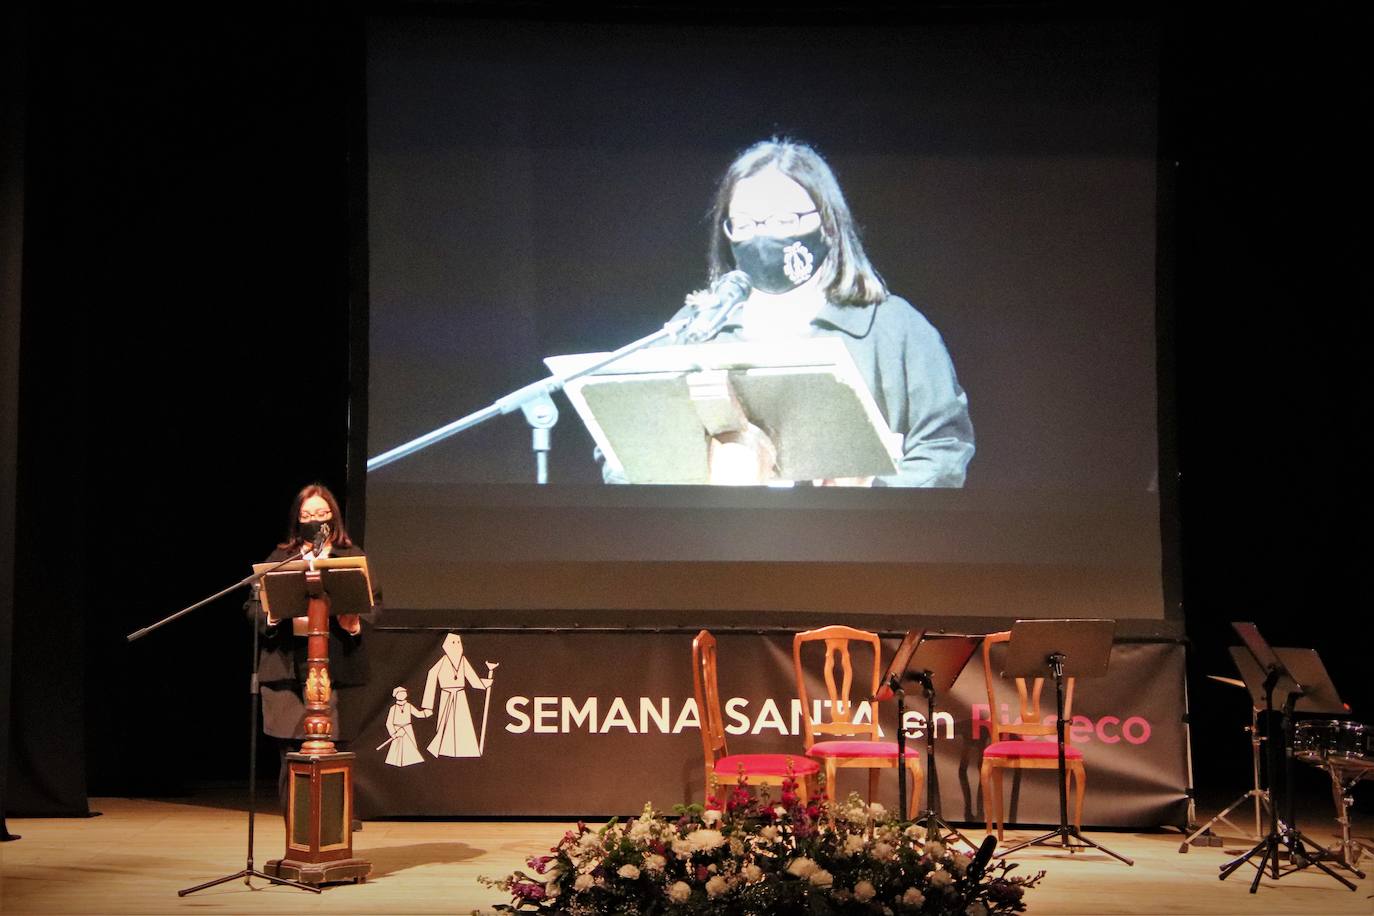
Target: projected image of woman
column 779, row 216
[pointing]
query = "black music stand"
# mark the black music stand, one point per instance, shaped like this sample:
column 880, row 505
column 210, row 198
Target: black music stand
column 1067, row 648
column 1320, row 696
column 936, row 665
column 889, row 687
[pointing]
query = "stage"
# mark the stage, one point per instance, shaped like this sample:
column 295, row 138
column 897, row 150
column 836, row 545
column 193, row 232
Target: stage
column 135, row 857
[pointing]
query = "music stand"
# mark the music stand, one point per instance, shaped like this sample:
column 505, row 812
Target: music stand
column 891, row 686
column 936, row 665
column 1067, row 648
column 1320, row 694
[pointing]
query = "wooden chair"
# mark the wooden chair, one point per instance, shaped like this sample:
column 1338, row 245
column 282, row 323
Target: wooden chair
column 722, row 767
column 862, row 749
column 1007, row 751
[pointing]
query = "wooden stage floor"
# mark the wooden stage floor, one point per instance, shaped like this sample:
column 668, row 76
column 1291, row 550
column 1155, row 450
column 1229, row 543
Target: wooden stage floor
column 136, row 856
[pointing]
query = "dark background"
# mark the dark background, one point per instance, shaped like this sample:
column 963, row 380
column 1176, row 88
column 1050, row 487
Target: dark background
column 190, row 253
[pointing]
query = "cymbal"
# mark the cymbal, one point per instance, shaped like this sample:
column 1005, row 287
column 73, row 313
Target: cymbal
column 1234, row 682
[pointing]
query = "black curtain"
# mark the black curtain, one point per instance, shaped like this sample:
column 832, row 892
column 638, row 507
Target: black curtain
column 13, row 48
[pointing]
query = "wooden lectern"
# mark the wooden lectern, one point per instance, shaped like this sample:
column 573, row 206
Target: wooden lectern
column 319, row 809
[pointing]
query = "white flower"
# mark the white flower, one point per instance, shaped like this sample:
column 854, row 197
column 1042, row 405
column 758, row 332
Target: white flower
column 716, row 886
column 710, row 816
column 628, row 872
column 941, row 879
column 641, row 829
column 822, row 878
column 752, row 873
column 976, row 908
column 935, row 849
column 589, row 840
column 770, row 833
column 853, row 845
column 864, row 891
column 884, row 852
column 736, row 847
column 960, row 862
column 654, row 862
column 583, row 883
column 915, row 833
column 705, row 839
column 876, row 811
column 913, row 898
column 779, row 810
column 801, row 867
column 679, row 891
column 681, row 847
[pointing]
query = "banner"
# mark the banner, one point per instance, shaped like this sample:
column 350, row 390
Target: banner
column 569, row 723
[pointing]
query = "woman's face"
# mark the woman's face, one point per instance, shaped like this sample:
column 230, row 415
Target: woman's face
column 315, row 509
column 769, row 203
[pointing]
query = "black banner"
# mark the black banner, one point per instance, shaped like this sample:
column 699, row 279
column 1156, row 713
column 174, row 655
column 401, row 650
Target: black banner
column 600, row 722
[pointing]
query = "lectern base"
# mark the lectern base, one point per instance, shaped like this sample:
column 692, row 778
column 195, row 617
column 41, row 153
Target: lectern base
column 315, row 873
column 319, row 820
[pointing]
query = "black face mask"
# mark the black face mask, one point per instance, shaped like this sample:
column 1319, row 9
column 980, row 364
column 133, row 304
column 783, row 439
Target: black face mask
column 781, row 265
column 311, row 529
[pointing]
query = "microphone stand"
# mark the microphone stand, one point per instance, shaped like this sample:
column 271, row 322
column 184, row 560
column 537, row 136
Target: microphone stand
column 248, row 872
column 535, row 400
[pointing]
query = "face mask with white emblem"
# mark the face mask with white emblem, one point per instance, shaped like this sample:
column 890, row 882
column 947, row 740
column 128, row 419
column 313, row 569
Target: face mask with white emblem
column 780, row 265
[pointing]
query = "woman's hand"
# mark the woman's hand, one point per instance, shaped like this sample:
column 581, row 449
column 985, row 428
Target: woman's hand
column 742, row 459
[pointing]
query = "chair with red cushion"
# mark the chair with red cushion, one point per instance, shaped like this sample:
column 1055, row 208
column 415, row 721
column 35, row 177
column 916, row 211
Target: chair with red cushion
column 722, row 767
column 854, row 744
column 1008, row 749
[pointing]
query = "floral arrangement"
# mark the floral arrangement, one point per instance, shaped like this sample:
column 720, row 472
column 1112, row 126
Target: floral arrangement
column 751, row 855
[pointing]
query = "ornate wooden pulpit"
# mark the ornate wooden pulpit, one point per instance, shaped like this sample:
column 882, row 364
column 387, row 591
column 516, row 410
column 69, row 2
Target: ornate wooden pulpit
column 319, row 808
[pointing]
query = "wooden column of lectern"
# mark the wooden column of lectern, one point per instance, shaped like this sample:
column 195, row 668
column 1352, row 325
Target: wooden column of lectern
column 319, row 809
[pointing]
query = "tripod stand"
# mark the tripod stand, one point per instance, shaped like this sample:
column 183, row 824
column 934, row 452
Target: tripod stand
column 1256, row 792
column 1280, row 835
column 1036, row 644
column 248, row 872
column 936, row 665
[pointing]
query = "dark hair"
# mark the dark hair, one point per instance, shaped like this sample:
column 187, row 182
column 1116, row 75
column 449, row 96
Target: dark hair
column 339, row 534
column 853, row 280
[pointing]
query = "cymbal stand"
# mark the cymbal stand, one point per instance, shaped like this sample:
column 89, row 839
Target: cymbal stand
column 1259, row 793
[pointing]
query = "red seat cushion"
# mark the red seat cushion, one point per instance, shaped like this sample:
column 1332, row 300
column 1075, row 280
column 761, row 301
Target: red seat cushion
column 1037, row 750
column 767, row 765
column 858, row 749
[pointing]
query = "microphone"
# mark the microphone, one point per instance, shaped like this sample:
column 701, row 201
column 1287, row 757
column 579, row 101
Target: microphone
column 715, row 308
column 320, row 537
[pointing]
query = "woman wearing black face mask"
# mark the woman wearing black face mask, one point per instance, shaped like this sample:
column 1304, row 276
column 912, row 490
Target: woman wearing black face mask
column 316, row 527
column 780, row 217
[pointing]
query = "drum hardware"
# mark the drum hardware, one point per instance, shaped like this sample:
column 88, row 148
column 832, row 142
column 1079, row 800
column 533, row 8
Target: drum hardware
column 1345, row 751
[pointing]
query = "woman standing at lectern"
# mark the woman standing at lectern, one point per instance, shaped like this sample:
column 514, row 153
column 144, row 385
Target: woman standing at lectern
column 780, row 217
column 282, row 656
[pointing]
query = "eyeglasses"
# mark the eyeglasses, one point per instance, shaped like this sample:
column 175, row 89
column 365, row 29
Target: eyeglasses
column 322, row 515
column 777, row 224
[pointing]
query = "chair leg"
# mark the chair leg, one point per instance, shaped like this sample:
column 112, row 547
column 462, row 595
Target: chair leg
column 997, row 773
column 916, row 787
column 830, row 780
column 985, row 783
column 1082, row 775
column 872, row 784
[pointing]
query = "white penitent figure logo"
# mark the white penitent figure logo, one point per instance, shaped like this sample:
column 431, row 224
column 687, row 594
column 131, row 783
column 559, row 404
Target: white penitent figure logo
column 402, row 749
column 450, row 676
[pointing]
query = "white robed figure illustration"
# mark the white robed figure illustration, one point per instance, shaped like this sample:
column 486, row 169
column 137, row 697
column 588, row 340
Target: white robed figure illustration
column 402, row 749
column 451, row 675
